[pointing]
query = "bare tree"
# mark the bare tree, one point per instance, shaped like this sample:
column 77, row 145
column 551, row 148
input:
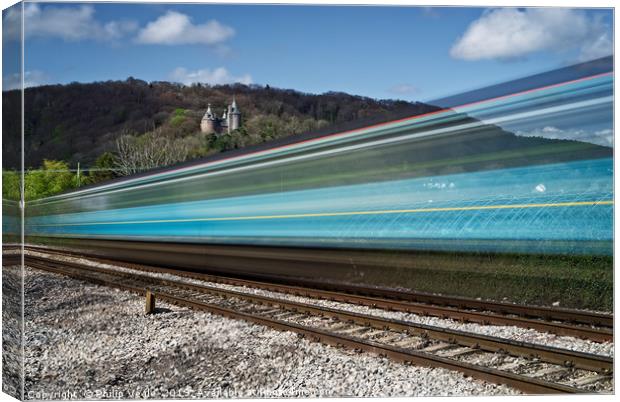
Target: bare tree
column 148, row 151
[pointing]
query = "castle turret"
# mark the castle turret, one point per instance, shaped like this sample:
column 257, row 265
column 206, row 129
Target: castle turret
column 207, row 124
column 234, row 115
column 234, row 105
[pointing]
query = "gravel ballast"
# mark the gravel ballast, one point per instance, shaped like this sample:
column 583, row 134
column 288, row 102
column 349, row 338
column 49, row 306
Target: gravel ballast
column 507, row 332
column 87, row 341
column 12, row 356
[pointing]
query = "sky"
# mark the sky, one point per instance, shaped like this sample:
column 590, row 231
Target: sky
column 410, row 53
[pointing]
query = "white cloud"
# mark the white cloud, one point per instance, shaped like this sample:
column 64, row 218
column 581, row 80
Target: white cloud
column 67, row 23
column 174, row 28
column 118, row 29
column 31, row 79
column 403, row 89
column 11, row 23
column 603, row 137
column 217, row 76
column 510, row 33
column 599, row 47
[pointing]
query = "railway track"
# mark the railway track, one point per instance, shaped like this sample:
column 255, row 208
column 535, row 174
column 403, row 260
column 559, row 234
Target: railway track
column 530, row 368
column 594, row 326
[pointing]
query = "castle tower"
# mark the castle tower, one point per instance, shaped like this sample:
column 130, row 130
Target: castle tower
column 234, row 116
column 230, row 120
column 207, row 124
column 223, row 123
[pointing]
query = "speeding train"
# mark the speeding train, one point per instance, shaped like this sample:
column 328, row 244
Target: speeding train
column 520, row 167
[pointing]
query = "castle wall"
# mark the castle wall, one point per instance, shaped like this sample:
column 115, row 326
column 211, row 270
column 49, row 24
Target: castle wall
column 207, row 126
column 235, row 121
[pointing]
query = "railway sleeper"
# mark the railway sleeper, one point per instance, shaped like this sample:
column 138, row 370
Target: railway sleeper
column 457, row 352
column 437, row 347
column 589, row 379
column 549, row 371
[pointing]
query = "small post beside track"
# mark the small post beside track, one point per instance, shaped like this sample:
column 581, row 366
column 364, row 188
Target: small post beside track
column 149, row 307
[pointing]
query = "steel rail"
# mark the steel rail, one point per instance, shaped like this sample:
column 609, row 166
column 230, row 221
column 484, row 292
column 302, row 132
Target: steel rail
column 463, row 309
column 521, row 382
column 548, row 354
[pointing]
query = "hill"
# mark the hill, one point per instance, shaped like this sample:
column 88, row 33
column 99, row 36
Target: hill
column 79, row 122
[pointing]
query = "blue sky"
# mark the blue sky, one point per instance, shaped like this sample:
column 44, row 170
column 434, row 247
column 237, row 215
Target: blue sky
column 408, row 53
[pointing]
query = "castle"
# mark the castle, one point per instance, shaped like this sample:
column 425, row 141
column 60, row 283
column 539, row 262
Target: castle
column 230, row 120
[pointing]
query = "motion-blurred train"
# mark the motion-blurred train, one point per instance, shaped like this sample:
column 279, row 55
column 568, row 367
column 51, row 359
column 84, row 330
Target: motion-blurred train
column 520, row 167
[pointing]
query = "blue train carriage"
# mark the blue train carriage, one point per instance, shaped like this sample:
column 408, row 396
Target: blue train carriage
column 520, row 173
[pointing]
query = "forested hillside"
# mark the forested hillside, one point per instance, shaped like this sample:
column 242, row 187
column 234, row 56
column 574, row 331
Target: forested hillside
column 119, row 128
column 81, row 122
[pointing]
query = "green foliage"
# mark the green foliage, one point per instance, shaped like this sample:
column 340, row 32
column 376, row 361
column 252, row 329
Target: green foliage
column 102, row 170
column 176, row 121
column 180, row 123
column 53, row 178
column 178, row 117
column 10, row 185
column 262, row 128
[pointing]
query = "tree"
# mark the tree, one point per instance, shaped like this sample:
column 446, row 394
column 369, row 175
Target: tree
column 54, row 177
column 103, row 169
column 90, row 117
column 148, row 151
column 178, row 117
column 10, row 185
